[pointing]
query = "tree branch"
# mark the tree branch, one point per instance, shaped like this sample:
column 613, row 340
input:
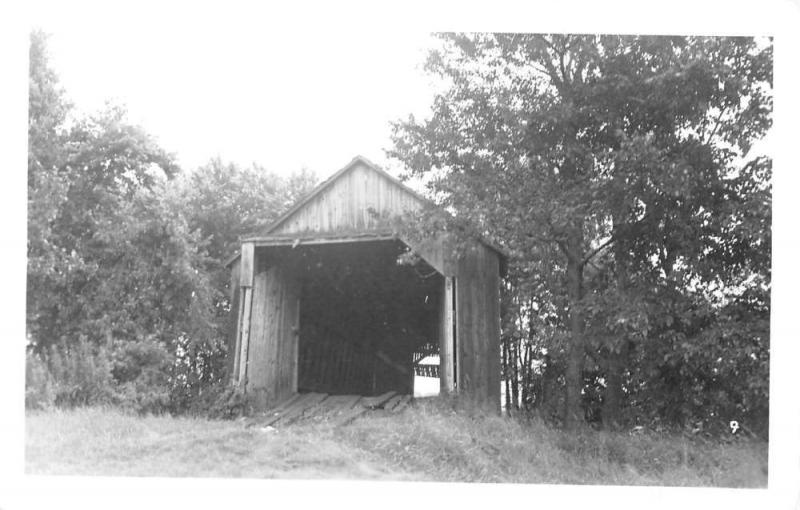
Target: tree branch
column 717, row 123
column 597, row 250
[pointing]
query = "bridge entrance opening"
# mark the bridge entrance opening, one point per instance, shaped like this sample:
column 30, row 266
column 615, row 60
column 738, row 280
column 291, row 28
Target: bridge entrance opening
column 369, row 319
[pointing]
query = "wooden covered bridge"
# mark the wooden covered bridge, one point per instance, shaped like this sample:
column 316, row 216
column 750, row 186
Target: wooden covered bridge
column 323, row 305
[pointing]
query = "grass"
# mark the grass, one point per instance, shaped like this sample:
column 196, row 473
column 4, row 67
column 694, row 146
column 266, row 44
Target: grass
column 430, row 441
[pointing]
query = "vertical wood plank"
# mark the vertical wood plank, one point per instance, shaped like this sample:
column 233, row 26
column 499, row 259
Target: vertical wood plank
column 233, row 323
column 446, row 369
column 273, row 351
column 237, row 350
column 296, row 344
column 247, row 264
column 478, row 326
column 245, row 339
column 459, row 335
column 259, row 337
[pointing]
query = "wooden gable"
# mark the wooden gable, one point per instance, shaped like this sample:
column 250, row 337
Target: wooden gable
column 348, row 201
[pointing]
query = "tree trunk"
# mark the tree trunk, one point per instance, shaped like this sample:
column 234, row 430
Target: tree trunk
column 526, row 377
column 612, row 403
column 617, row 354
column 573, row 411
column 515, row 371
column 507, row 373
column 544, row 396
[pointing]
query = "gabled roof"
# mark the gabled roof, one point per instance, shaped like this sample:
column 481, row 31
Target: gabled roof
column 270, row 237
column 333, row 178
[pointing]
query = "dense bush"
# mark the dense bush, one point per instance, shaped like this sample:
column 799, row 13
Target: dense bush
column 139, row 376
column 69, row 375
column 39, row 384
column 127, row 294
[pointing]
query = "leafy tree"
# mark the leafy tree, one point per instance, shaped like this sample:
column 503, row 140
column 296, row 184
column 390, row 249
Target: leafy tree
column 610, row 167
column 112, row 262
column 126, row 252
column 224, row 202
column 47, row 111
column 104, row 163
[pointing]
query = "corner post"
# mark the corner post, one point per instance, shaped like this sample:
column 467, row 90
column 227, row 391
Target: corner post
column 246, row 275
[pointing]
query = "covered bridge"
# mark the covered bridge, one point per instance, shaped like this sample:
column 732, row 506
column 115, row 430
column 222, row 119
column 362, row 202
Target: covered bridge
column 323, row 305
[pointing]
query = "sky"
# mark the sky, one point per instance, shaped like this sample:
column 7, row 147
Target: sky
column 279, row 89
column 285, row 85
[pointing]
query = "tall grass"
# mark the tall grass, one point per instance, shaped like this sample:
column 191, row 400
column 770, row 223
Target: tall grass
column 432, row 440
column 452, row 445
column 69, row 375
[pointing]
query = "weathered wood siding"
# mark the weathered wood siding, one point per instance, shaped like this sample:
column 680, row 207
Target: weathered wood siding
column 334, row 365
column 436, row 251
column 345, row 204
column 243, row 309
column 478, row 326
column 232, row 323
column 446, row 338
column 272, row 356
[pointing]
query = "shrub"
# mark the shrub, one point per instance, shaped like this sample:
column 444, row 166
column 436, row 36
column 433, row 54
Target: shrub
column 39, row 384
column 146, row 360
column 140, row 376
column 141, row 371
column 143, row 398
column 81, row 374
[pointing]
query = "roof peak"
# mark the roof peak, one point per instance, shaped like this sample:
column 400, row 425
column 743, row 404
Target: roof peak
column 358, row 159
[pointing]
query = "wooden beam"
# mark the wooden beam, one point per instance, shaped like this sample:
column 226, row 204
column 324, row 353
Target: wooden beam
column 446, row 344
column 321, row 238
column 247, row 267
column 247, row 304
column 237, row 351
column 478, row 326
column 458, row 354
column 296, row 345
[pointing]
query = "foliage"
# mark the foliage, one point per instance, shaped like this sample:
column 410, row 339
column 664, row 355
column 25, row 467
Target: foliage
column 138, row 376
column 616, row 171
column 126, row 279
column 39, row 384
column 109, row 166
column 77, row 374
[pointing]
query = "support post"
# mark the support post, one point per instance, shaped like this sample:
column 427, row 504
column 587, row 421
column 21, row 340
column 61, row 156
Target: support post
column 237, row 350
column 447, row 340
column 244, row 356
column 246, row 273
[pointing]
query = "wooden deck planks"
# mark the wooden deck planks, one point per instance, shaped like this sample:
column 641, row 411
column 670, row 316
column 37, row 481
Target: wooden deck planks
column 375, row 402
column 392, row 402
column 402, row 404
column 294, row 412
column 272, row 415
column 337, row 409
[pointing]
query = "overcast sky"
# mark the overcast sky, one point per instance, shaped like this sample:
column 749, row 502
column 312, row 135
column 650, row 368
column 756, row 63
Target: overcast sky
column 286, row 85
column 283, row 89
